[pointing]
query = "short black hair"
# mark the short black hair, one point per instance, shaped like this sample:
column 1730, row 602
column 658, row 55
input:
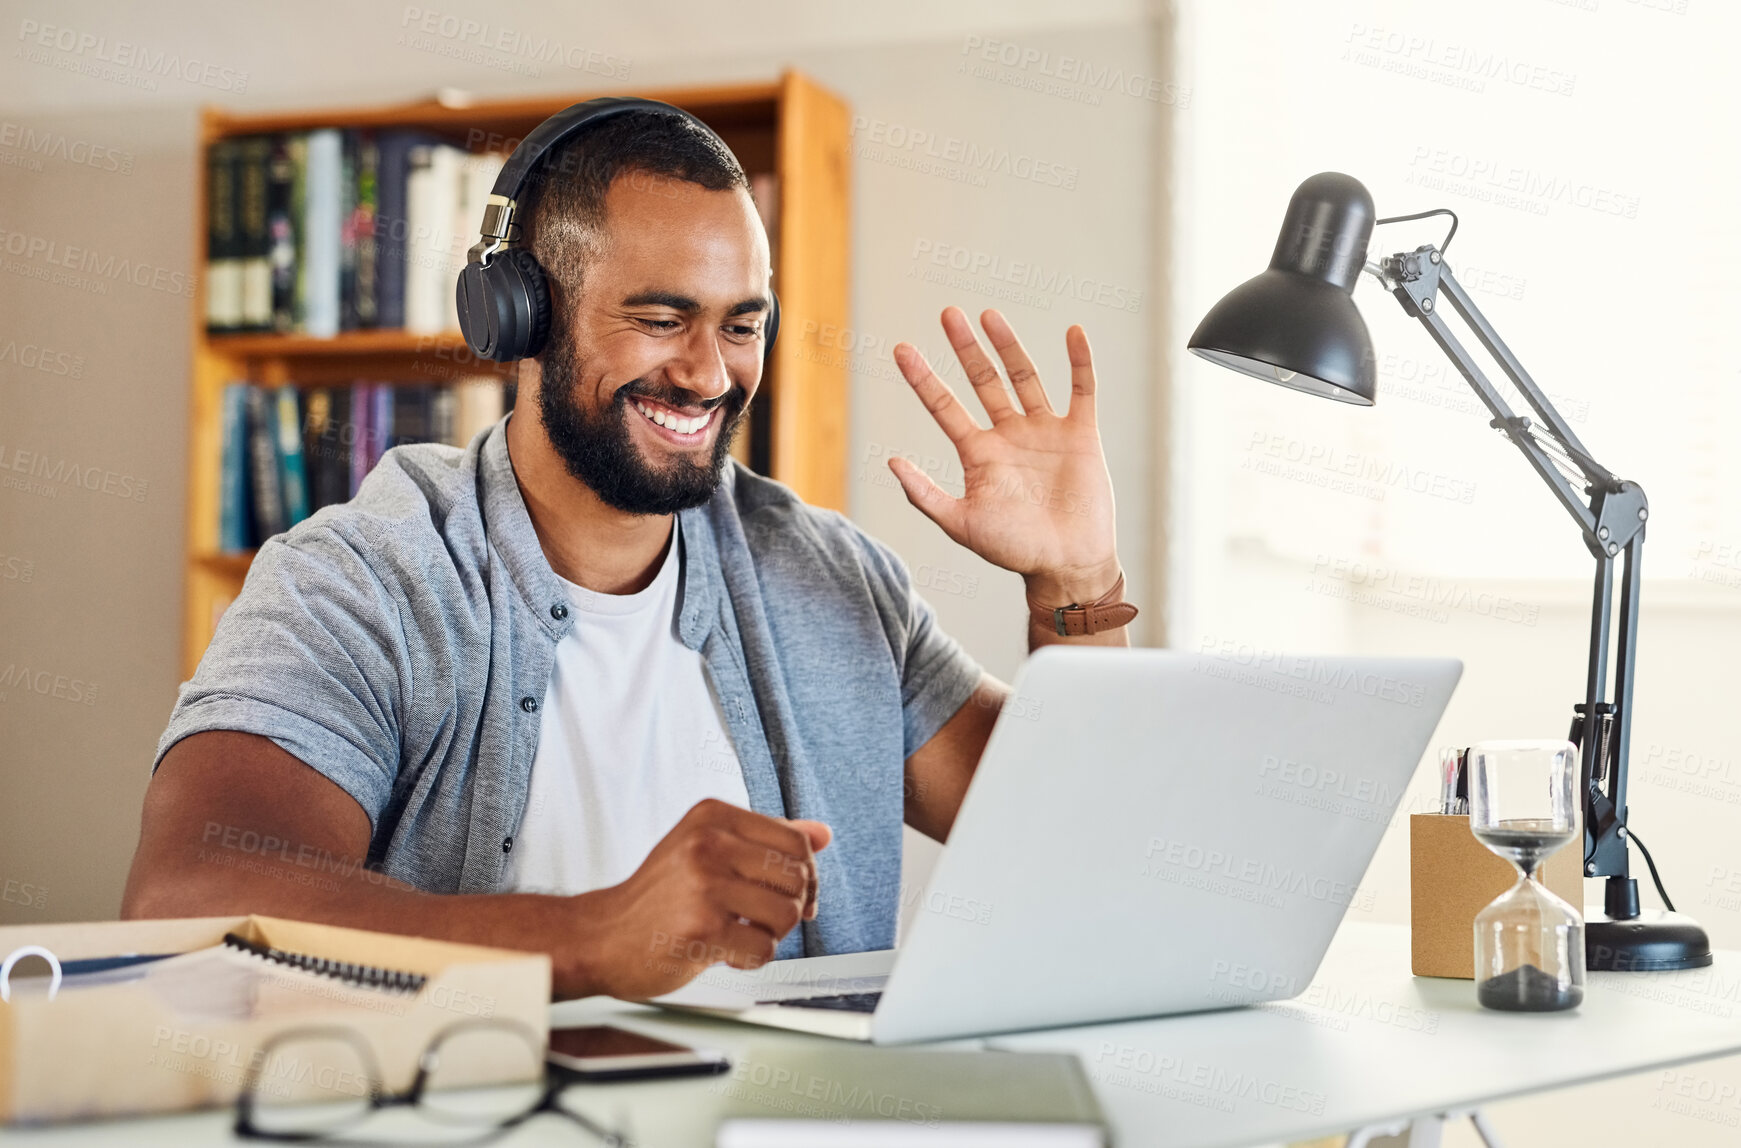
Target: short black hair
column 562, row 203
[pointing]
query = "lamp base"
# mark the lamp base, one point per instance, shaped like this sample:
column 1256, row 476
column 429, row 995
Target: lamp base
column 1653, row 941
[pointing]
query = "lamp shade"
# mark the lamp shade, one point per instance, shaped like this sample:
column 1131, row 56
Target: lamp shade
column 1296, row 324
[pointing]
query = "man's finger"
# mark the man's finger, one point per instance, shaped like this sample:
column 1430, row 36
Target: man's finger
column 820, row 835
column 778, row 913
column 1081, row 375
column 987, row 383
column 934, row 393
column 932, row 500
column 1023, row 377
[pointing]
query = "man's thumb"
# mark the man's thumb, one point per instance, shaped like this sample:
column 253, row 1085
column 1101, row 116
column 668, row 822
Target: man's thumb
column 820, row 834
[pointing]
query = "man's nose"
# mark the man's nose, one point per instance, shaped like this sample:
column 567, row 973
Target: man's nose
column 700, row 367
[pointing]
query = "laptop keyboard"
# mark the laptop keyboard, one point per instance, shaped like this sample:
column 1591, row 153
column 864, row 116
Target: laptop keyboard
column 843, row 1002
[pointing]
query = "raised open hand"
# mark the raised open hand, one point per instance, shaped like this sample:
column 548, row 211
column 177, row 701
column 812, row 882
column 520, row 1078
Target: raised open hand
column 1037, row 498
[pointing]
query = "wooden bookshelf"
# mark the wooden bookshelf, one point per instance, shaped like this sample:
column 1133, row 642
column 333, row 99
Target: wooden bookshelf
column 792, row 128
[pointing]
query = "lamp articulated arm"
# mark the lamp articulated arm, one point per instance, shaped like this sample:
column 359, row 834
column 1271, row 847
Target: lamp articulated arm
column 1611, row 512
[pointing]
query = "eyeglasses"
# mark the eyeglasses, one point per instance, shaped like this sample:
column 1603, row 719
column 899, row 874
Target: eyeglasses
column 476, row 1080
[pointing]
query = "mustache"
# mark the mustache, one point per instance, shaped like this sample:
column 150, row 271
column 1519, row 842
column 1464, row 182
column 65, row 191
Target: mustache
column 675, row 397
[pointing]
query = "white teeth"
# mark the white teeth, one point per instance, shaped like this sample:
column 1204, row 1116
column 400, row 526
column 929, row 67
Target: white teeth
column 680, row 425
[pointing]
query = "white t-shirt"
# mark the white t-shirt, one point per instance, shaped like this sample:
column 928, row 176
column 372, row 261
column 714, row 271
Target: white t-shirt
column 631, row 738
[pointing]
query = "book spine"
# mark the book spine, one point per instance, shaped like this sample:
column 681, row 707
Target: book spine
column 324, row 226
column 366, row 288
column 281, row 228
column 263, row 471
column 316, row 417
column 348, row 164
column 292, row 472
column 433, row 206
column 299, row 225
column 380, row 422
column 442, row 408
column 336, row 449
column 392, row 224
column 254, row 238
column 235, row 528
column 362, row 404
column 223, row 271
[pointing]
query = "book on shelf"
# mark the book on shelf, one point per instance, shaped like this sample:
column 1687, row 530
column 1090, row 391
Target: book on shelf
column 287, row 451
column 223, row 256
column 253, row 238
column 335, row 230
column 322, row 227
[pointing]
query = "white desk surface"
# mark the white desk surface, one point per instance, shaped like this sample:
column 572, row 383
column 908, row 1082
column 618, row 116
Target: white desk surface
column 1367, row 1042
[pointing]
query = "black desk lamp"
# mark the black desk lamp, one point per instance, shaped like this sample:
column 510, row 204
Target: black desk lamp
column 1296, row 324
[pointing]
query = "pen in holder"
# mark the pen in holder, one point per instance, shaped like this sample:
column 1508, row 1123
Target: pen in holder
column 1453, row 877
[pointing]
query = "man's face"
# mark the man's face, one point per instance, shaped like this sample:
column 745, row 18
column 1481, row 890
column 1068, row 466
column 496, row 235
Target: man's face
column 665, row 347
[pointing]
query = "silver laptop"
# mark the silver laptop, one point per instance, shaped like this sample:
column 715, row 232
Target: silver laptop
column 1149, row 832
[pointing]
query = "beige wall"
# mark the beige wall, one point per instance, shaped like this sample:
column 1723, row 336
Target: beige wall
column 102, row 601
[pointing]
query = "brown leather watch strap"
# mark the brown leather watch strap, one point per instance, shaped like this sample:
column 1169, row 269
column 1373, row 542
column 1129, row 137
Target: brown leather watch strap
column 1106, row 612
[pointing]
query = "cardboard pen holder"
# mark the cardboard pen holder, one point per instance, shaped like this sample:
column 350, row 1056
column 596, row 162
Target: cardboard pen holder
column 1452, row 877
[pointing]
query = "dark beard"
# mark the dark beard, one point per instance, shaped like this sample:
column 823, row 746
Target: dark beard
column 599, row 451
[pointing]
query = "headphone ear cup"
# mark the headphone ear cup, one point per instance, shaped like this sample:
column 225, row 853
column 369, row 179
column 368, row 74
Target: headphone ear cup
column 536, row 291
column 772, row 329
column 504, row 306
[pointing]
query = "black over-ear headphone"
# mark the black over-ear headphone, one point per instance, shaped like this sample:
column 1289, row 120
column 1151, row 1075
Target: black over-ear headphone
column 503, row 299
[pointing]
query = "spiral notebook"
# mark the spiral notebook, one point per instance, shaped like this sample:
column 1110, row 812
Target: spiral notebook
column 241, row 979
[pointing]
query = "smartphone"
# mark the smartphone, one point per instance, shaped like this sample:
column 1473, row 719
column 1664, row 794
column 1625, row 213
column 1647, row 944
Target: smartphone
column 601, row 1052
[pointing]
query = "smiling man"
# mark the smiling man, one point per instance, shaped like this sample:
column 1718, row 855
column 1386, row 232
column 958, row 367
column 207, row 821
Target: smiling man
column 588, row 686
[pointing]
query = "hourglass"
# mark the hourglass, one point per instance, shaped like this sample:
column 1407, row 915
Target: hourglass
column 1529, row 944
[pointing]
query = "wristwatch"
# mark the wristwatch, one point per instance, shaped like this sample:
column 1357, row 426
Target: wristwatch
column 1106, row 612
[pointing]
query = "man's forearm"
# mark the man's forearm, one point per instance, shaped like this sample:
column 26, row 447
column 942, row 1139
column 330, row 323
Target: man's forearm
column 236, row 873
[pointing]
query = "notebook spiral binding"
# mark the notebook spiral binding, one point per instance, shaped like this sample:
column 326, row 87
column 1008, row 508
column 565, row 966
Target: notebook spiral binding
column 367, row 976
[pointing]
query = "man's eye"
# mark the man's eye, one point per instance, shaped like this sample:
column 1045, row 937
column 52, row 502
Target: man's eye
column 660, row 324
column 743, row 332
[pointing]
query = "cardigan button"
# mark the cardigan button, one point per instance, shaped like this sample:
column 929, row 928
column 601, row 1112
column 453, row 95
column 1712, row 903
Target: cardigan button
column 559, row 611
column 529, row 704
